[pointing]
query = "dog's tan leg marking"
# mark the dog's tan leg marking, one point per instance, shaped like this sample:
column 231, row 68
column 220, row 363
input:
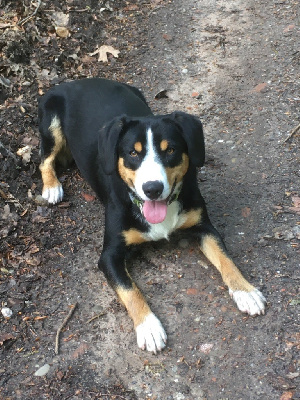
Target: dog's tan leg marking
column 191, row 218
column 133, row 236
column 230, row 273
column 149, row 330
column 135, row 304
column 247, row 297
column 52, row 189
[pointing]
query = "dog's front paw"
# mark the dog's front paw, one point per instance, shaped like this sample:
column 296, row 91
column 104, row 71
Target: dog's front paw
column 151, row 334
column 250, row 302
column 54, row 194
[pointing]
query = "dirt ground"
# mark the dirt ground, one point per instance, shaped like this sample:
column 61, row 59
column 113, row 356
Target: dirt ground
column 235, row 65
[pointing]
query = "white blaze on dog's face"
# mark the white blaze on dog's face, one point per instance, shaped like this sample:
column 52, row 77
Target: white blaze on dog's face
column 152, row 161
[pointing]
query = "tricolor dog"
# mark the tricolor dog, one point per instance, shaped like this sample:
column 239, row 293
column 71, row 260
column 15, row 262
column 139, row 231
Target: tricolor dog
column 143, row 168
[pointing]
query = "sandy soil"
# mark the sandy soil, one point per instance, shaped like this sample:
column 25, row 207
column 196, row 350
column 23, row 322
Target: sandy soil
column 236, row 66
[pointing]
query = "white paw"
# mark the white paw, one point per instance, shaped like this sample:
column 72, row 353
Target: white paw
column 151, row 334
column 54, row 194
column 250, row 302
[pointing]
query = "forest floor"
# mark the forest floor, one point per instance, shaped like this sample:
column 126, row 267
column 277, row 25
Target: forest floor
column 235, row 65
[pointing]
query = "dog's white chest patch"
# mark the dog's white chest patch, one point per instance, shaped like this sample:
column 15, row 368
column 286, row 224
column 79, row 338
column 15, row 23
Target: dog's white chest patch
column 172, row 221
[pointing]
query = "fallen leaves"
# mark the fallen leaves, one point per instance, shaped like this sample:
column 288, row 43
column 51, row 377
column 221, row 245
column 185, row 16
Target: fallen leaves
column 60, row 21
column 206, row 348
column 62, row 32
column 286, row 396
column 102, row 52
column 25, row 153
column 296, row 204
column 83, row 347
column 260, row 87
column 192, row 291
column 246, row 212
column 294, row 209
column 289, row 28
column 5, row 337
column 40, row 318
column 88, row 197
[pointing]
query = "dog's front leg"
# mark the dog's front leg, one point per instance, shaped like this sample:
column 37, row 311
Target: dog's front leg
column 149, row 330
column 247, row 297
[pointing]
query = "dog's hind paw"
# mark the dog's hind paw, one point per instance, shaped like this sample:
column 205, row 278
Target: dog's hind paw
column 151, row 335
column 252, row 302
column 53, row 194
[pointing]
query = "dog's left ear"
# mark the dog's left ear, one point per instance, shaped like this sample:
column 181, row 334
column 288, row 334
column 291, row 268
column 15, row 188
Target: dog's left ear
column 192, row 132
column 107, row 143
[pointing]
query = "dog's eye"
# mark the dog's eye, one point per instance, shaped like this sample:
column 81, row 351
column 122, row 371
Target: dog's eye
column 170, row 150
column 133, row 153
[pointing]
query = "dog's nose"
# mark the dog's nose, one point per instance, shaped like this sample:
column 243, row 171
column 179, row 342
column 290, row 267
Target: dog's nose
column 153, row 189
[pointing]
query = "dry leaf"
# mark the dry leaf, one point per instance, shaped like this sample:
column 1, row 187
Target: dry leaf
column 296, row 201
column 286, row 396
column 162, row 94
column 246, row 211
column 102, row 52
column 60, row 19
column 5, row 337
column 25, row 153
column 289, row 28
column 40, row 318
column 62, row 32
column 206, row 347
column 260, row 87
column 88, row 197
column 192, row 291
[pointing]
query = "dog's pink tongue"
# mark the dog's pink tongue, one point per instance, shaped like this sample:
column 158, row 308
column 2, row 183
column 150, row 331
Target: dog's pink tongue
column 155, row 211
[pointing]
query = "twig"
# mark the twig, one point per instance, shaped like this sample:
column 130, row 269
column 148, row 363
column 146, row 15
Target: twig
column 11, row 154
column 95, row 316
column 292, row 133
column 80, row 11
column 62, row 326
column 24, row 20
column 110, row 394
column 11, row 199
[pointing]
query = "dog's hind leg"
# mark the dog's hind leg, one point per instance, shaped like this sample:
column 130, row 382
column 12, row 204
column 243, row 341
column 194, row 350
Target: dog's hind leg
column 53, row 146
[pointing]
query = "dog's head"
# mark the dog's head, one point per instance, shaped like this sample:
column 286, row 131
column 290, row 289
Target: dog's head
column 152, row 155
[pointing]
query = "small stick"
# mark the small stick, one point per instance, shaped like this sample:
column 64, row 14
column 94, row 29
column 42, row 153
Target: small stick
column 62, row 326
column 11, row 154
column 24, row 20
column 11, row 199
column 80, row 11
column 292, row 133
column 96, row 316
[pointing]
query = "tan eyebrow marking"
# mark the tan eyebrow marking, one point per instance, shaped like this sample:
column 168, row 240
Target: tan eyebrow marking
column 138, row 146
column 164, row 145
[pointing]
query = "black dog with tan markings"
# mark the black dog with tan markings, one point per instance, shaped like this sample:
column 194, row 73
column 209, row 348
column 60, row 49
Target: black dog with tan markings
column 143, row 168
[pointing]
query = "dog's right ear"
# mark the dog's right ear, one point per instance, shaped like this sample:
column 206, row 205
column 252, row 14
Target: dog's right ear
column 108, row 142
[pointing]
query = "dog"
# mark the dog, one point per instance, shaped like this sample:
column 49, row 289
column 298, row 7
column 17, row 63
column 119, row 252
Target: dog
column 143, row 168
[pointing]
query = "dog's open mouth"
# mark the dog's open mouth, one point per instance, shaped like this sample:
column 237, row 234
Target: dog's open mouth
column 155, row 211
